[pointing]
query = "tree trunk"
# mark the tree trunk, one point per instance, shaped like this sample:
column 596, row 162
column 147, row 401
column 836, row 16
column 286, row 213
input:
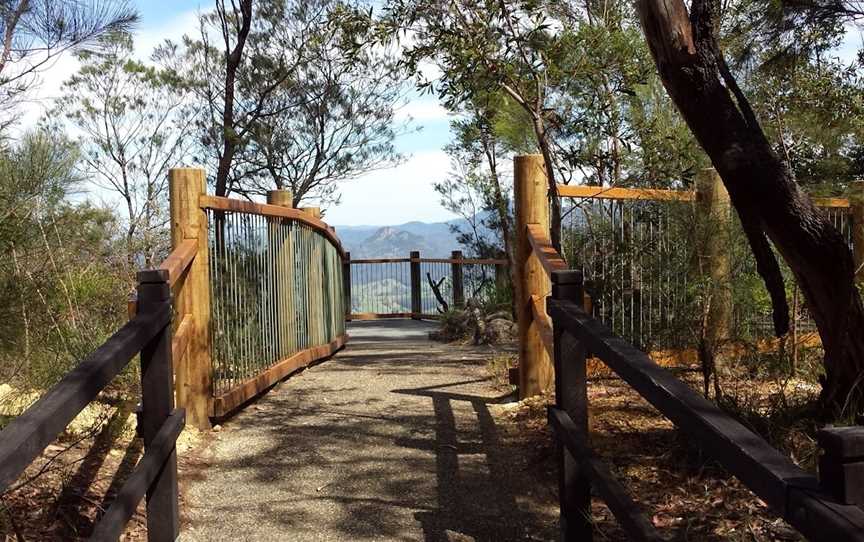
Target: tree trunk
column 233, row 58
column 763, row 191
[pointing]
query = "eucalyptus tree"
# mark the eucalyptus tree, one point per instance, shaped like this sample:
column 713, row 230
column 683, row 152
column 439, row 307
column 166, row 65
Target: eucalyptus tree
column 772, row 207
column 133, row 129
column 485, row 46
column 232, row 66
column 337, row 110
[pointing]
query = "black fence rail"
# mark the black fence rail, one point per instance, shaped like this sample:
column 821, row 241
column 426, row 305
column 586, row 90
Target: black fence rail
column 155, row 475
column 821, row 509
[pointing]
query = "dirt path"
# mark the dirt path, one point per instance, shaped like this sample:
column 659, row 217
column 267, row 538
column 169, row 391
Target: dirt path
column 396, row 438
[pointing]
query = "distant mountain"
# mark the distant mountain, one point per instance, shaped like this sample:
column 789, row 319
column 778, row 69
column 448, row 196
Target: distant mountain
column 433, row 240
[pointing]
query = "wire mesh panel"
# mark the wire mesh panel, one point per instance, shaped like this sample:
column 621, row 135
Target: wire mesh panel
column 647, row 274
column 276, row 289
column 383, row 287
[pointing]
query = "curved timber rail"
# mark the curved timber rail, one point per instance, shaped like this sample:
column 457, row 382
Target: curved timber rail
column 275, row 295
column 827, row 508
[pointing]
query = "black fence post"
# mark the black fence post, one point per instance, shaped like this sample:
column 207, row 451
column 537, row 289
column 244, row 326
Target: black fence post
column 157, row 399
column 841, row 465
column 416, row 294
column 458, row 281
column 346, row 284
column 571, row 396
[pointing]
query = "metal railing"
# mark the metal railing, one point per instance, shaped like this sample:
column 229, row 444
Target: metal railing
column 416, row 287
column 275, row 296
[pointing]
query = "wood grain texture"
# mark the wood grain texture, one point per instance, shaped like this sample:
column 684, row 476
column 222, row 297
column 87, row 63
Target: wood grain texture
column 548, row 257
column 179, row 260
column 659, row 194
column 532, row 207
column 192, row 294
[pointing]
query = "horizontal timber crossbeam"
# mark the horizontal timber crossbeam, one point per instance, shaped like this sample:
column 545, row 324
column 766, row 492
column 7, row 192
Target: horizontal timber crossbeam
column 546, row 254
column 659, row 194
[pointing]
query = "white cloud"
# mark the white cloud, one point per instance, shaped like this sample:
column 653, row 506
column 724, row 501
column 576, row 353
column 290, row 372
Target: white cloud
column 423, row 110
column 395, row 196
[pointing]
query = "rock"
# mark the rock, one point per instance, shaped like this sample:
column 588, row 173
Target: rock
column 217, row 428
column 499, row 330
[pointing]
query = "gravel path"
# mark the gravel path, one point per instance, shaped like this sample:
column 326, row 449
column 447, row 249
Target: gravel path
column 395, row 438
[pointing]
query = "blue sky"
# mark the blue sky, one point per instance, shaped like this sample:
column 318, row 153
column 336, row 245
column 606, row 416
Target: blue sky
column 385, row 197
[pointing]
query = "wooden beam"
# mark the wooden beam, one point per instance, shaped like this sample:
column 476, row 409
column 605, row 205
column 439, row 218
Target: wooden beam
column 112, row 525
column 179, row 260
column 631, row 519
column 543, row 323
column 607, row 192
column 180, row 341
column 658, row 194
column 836, row 203
column 189, row 222
column 771, row 475
column 229, row 401
column 856, row 195
column 235, row 205
column 532, row 207
column 549, row 258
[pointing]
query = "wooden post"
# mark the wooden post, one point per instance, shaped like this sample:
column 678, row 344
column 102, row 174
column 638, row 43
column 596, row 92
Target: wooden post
column 713, row 209
column 283, row 198
column 458, row 283
column 532, row 207
column 571, row 396
column 157, row 403
column 346, row 284
column 856, row 201
column 188, row 221
column 315, row 212
column 283, row 243
column 841, row 466
column 416, row 296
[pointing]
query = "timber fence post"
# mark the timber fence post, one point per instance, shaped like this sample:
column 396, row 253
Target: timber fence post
column 856, row 202
column 841, row 466
column 283, row 266
column 346, row 284
column 571, row 396
column 416, row 294
column 532, row 207
column 714, row 213
column 458, row 282
column 189, row 221
column 157, row 403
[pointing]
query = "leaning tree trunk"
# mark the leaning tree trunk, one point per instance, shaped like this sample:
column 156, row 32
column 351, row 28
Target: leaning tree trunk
column 762, row 189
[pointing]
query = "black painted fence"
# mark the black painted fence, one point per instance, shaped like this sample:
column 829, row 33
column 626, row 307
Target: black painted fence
column 155, row 475
column 826, row 511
